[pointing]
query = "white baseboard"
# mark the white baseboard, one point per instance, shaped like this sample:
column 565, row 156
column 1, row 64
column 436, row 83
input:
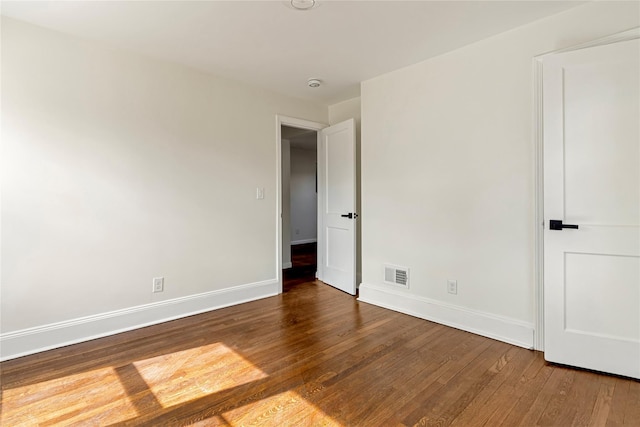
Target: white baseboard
column 500, row 328
column 303, row 241
column 286, row 265
column 46, row 337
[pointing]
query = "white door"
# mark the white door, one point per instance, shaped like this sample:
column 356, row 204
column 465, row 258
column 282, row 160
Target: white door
column 337, row 203
column 592, row 180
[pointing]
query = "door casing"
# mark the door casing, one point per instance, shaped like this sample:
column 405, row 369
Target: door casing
column 301, row 124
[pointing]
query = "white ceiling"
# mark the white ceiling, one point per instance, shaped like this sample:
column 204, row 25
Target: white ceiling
column 271, row 45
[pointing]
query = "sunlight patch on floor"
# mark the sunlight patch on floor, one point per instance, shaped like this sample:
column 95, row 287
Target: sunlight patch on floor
column 284, row 409
column 187, row 375
column 215, row 421
column 75, row 399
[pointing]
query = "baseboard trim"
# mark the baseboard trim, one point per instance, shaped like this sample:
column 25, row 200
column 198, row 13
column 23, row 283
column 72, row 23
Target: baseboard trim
column 303, row 241
column 286, row 265
column 34, row 340
column 500, row 328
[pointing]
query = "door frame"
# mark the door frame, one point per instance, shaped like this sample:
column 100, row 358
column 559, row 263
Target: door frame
column 538, row 309
column 282, row 120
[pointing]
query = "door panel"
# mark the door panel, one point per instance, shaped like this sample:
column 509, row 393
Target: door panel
column 338, row 237
column 340, row 182
column 337, row 173
column 592, row 179
column 606, row 191
column 588, row 294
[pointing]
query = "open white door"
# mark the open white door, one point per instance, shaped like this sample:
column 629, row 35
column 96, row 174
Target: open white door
column 592, row 180
column 337, row 203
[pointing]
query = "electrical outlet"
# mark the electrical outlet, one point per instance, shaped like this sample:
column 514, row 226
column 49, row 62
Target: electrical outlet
column 452, row 286
column 158, row 284
column 260, row 193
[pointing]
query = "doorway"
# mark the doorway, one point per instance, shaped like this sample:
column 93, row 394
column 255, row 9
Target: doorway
column 283, row 158
column 299, row 205
column 336, row 202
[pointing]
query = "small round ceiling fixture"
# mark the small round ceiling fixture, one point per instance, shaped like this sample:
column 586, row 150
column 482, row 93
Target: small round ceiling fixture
column 303, row 4
column 313, row 83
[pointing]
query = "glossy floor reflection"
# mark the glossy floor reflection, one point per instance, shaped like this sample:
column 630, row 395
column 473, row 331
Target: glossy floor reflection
column 311, row 356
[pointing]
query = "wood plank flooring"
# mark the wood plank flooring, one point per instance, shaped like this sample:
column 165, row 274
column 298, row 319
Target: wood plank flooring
column 312, row 356
column 303, row 260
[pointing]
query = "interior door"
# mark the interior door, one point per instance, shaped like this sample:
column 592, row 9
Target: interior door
column 337, row 219
column 592, row 182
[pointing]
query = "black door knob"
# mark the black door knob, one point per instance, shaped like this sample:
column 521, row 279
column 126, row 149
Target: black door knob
column 556, row 224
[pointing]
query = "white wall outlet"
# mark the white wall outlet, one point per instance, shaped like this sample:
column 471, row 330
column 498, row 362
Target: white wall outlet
column 259, row 193
column 452, row 286
column 158, row 284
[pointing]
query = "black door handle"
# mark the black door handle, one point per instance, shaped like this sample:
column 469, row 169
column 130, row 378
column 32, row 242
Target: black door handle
column 556, row 224
column 350, row 215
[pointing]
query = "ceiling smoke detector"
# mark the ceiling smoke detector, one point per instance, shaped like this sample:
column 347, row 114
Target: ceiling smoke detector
column 303, row 4
column 313, row 83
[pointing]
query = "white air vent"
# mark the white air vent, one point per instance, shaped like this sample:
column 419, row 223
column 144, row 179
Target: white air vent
column 395, row 275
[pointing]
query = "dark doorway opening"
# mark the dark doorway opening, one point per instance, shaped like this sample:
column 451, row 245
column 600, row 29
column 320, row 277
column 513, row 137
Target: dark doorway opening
column 303, row 269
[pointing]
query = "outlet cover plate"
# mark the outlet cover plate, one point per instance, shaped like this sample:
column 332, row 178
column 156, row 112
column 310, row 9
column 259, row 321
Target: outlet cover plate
column 452, row 287
column 158, row 284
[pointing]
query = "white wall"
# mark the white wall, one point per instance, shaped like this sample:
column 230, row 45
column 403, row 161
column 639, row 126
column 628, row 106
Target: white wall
column 448, row 175
column 349, row 109
column 116, row 169
column 304, row 198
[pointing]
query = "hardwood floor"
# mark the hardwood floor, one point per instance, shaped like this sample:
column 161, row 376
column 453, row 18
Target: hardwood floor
column 303, row 260
column 312, row 356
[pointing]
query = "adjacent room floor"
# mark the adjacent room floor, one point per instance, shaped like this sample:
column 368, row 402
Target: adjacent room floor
column 304, row 265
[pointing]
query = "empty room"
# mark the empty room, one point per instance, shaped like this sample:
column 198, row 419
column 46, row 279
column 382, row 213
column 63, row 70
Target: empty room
column 320, row 213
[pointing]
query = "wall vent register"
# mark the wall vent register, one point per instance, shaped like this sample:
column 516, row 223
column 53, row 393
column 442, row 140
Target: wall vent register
column 395, row 275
